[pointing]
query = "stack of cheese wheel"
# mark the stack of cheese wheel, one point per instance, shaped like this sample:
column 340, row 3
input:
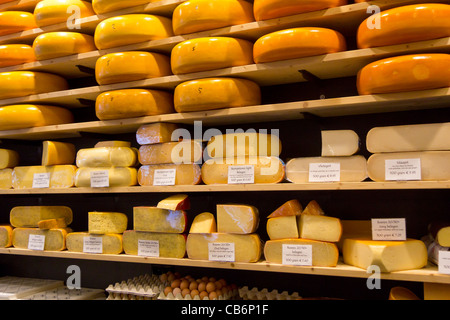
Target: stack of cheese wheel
column 290, row 226
column 16, row 21
column 230, row 151
column 52, row 45
column 50, row 12
column 8, row 160
column 339, row 148
column 162, row 154
column 16, row 54
column 107, row 164
column 159, row 230
column 104, row 235
column 57, row 164
column 236, row 236
column 40, row 227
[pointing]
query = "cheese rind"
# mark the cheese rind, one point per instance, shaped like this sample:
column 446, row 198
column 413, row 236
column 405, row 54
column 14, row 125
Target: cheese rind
column 118, row 176
column 289, row 208
column 5, row 236
column 8, row 158
column 6, row 178
column 16, row 21
column 339, row 143
column 52, row 45
column 55, row 239
column 61, row 176
column 57, row 153
column 111, row 243
column 186, row 151
column 107, row 222
column 237, row 218
column 186, row 174
column 282, row 227
column 103, row 6
column 319, row 227
column 106, row 157
column 204, row 222
column 48, row 12
column 153, row 133
column 153, row 219
column 16, row 54
column 171, row 245
column 29, row 216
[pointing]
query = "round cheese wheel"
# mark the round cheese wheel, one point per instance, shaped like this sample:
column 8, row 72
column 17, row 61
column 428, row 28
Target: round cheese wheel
column 405, row 24
column 103, row 6
column 210, row 53
column 131, row 66
column 297, row 43
column 59, row 44
column 15, row 54
column 200, row 15
column 405, row 73
column 16, row 21
column 48, row 12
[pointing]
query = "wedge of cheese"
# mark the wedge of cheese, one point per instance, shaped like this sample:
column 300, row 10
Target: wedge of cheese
column 16, row 21
column 185, row 174
column 8, row 158
column 186, row 151
column 402, row 293
column 153, row 133
column 153, row 219
column 313, row 208
column 57, row 153
column 175, row 202
column 55, row 239
column 289, row 208
column 116, row 67
column 282, row 227
column 29, row 216
column 339, row 143
column 210, row 53
column 171, row 245
column 6, row 178
column 61, row 176
column 48, row 12
column 57, row 223
column 117, row 176
column 131, row 103
column 52, row 45
column 324, row 254
column 113, row 143
column 103, row 6
column 237, row 218
column 107, row 222
column 110, row 243
column 204, row 222
column 106, row 157
column 15, row 54
column 247, row 247
column 5, row 236
column 319, row 227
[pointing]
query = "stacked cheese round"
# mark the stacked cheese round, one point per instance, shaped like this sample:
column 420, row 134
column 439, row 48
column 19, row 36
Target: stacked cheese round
column 60, row 44
column 103, row 6
column 16, row 21
column 15, row 54
column 49, row 12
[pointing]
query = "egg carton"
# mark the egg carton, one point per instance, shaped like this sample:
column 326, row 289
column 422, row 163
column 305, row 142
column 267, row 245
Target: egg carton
column 64, row 293
column 128, row 296
column 146, row 286
column 232, row 294
column 264, row 294
column 14, row 288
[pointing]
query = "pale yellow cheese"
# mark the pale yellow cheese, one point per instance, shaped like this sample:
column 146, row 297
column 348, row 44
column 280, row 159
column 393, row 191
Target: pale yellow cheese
column 153, row 219
column 204, row 222
column 443, row 236
column 436, row 291
column 61, row 176
column 103, row 6
column 158, row 132
column 6, row 178
column 48, row 12
column 237, row 218
column 112, row 143
column 186, row 151
column 282, row 227
column 8, row 158
column 29, row 216
column 118, row 176
column 55, row 239
column 171, row 245
column 111, row 243
column 16, row 21
column 106, row 157
column 319, row 227
column 52, row 45
column 107, row 222
column 57, row 153
column 5, row 236
column 15, row 54
column 186, row 174
column 339, row 143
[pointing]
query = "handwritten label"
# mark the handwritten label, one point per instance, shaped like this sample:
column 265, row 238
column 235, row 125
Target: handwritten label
column 444, row 262
column 324, row 172
column 41, row 180
column 164, row 177
column 92, row 244
column 36, row 242
column 403, row 170
column 297, row 255
column 148, row 248
column 241, row 174
column 221, row 251
column 100, row 179
column 389, row 229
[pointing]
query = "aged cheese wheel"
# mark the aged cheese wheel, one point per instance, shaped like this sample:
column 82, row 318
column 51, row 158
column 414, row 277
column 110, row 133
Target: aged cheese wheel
column 16, row 21
column 339, row 143
column 186, row 174
column 29, row 216
column 48, row 12
column 117, row 176
column 60, row 44
column 107, row 222
column 186, row 151
column 106, row 157
column 153, row 219
column 5, row 236
column 153, row 133
column 15, row 54
column 8, row 158
column 111, row 243
column 55, row 239
column 61, row 176
column 171, row 245
column 103, row 6
column 57, row 153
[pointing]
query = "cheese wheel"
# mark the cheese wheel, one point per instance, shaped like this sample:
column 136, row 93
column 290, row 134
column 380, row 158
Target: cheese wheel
column 131, row 103
column 270, row 9
column 204, row 222
column 15, row 54
column 16, row 21
column 55, row 239
column 186, row 174
column 131, row 66
column 216, row 93
column 16, row 84
column 61, row 176
column 8, row 158
column 319, row 227
column 152, row 133
column 103, row 6
column 5, row 236
column 339, row 143
column 57, row 153
column 110, row 243
column 171, row 245
column 131, row 29
column 107, row 222
column 210, row 53
column 405, row 73
column 106, row 157
column 153, row 219
column 395, row 27
column 200, row 15
column 117, row 176
column 52, row 45
column 29, row 115
column 297, row 43
column 282, row 227
column 29, row 216
column 6, row 178
column 48, row 12
column 237, row 218
column 186, row 151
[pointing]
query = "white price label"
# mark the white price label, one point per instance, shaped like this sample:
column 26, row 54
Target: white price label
column 221, row 251
column 444, row 262
column 324, row 172
column 100, row 179
column 148, row 248
column 36, row 242
column 297, row 255
column 403, row 170
column 389, row 229
column 164, row 177
column 241, row 174
column 92, row 244
column 41, row 180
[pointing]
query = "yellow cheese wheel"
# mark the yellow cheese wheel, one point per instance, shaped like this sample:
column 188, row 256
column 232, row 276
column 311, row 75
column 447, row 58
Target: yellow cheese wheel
column 48, row 12
column 131, row 66
column 6, row 178
column 107, row 222
column 29, row 115
column 185, row 174
column 8, row 158
column 200, row 15
column 431, row 21
column 111, row 243
column 5, row 236
column 269, row 9
column 117, row 176
column 210, row 53
column 22, row 5
column 61, row 176
column 59, row 44
column 405, row 73
column 171, row 245
column 55, row 239
column 24, row 83
column 15, row 54
column 297, row 43
column 130, row 29
column 216, row 93
column 16, row 21
column 103, row 6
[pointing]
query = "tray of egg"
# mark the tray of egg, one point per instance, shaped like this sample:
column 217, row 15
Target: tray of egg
column 264, row 294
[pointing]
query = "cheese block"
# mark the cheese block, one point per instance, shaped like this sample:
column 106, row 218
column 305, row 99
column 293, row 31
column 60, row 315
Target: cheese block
column 297, row 43
column 282, row 227
column 436, row 291
column 319, row 227
column 57, row 153
column 52, row 224
column 186, row 174
column 107, row 222
column 103, row 6
column 16, row 84
column 153, row 219
column 16, row 21
column 113, row 143
column 55, row 239
column 171, row 245
column 117, row 176
column 8, row 158
column 5, row 236
column 210, row 53
column 247, row 247
column 131, row 103
column 110, row 243
column 16, row 54
column 29, row 216
column 435, row 165
column 61, row 176
column 52, row 45
column 389, row 256
column 6, row 178
column 204, row 222
column 270, row 9
column 430, row 22
column 216, row 93
column 352, row 168
column 404, row 138
column 339, row 143
column 131, row 66
column 186, row 151
column 405, row 73
column 175, row 202
column 266, row 169
column 200, row 15
column 324, row 254
column 106, row 157
column 159, row 132
column 23, row 116
column 402, row 293
column 237, row 218
column 313, row 208
column 48, row 12
column 130, row 29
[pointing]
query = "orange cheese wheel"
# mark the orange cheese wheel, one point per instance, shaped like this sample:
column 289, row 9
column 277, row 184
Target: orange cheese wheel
column 60, row 44
column 297, row 43
column 103, row 6
column 16, row 21
column 15, row 54
column 405, row 73
column 405, row 24
column 48, row 12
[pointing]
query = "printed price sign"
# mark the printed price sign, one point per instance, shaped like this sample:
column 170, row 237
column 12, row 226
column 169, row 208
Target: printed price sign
column 389, row 229
column 221, row 251
column 444, row 262
column 93, row 244
column 241, row 174
column 164, row 177
column 324, row 172
column 297, row 255
column 41, row 180
column 36, row 242
column 100, row 179
column 403, row 170
column 148, row 248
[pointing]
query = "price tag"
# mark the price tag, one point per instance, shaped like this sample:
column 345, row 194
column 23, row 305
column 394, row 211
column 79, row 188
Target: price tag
column 241, row 174
column 221, row 251
column 148, row 248
column 100, row 179
column 444, row 262
column 403, row 170
column 164, row 177
column 36, row 242
column 41, row 180
column 297, row 255
column 324, row 172
column 389, row 229
column 93, row 244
